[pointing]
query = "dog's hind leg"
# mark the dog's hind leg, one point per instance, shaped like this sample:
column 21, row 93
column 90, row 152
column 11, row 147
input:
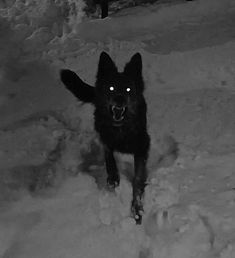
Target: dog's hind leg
column 113, row 178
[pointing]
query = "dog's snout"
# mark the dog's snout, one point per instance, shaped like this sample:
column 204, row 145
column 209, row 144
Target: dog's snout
column 118, row 107
column 119, row 101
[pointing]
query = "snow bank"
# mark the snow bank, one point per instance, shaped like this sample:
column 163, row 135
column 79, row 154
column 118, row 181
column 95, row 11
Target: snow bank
column 146, row 19
column 43, row 13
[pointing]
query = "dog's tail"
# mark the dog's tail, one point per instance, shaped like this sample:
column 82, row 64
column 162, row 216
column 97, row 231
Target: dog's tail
column 74, row 84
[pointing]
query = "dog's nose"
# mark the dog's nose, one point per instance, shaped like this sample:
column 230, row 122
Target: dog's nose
column 119, row 101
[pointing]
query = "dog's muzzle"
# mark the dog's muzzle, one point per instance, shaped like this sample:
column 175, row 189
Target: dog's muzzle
column 118, row 113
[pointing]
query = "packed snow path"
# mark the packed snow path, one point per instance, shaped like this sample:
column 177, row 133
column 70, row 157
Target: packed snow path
column 53, row 200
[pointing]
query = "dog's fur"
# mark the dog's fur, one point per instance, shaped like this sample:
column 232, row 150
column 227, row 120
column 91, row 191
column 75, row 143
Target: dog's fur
column 120, row 117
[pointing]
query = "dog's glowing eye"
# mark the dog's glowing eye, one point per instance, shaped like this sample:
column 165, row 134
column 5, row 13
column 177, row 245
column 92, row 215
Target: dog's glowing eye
column 128, row 89
column 111, row 88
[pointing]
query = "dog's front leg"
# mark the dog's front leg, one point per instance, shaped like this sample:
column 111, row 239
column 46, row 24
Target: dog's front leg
column 113, row 178
column 138, row 187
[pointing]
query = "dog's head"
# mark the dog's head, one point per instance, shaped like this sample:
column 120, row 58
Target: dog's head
column 119, row 92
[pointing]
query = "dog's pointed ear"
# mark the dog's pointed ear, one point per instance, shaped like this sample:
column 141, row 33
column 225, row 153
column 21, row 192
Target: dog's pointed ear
column 106, row 66
column 134, row 69
column 79, row 88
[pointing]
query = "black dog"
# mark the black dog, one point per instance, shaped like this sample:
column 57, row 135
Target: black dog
column 120, row 117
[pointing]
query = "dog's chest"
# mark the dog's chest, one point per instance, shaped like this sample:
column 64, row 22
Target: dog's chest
column 120, row 139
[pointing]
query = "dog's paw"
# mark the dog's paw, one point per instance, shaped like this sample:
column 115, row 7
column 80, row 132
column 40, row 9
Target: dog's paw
column 137, row 211
column 113, row 182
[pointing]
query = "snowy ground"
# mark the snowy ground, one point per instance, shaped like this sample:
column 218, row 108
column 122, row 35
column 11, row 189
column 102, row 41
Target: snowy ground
column 53, row 199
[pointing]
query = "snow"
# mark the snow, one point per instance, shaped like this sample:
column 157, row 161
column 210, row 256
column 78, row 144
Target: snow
column 53, row 198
